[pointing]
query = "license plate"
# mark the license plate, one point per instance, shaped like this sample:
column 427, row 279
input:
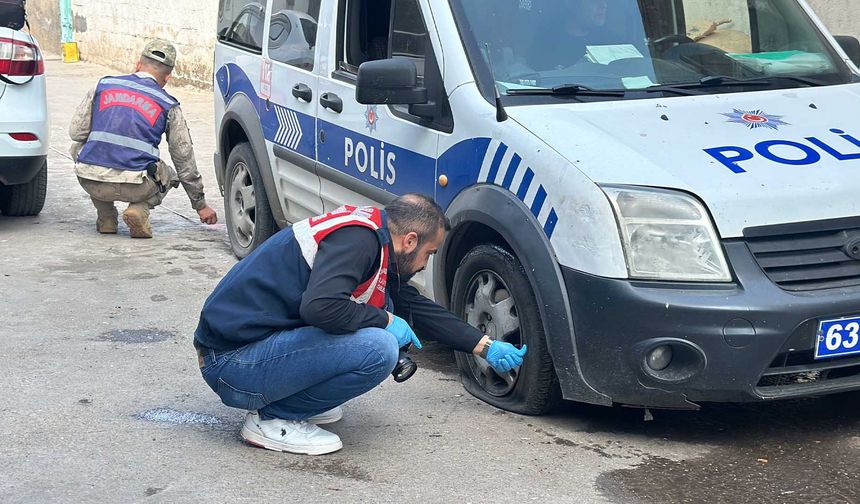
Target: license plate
column 838, row 337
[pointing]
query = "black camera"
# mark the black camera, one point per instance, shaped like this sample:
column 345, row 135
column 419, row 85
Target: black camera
column 405, row 367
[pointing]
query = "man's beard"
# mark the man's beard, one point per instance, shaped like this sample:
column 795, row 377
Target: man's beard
column 406, row 265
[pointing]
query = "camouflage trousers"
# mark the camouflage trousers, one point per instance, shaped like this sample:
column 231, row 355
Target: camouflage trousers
column 143, row 196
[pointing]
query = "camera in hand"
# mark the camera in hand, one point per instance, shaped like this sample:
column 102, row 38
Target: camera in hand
column 405, row 367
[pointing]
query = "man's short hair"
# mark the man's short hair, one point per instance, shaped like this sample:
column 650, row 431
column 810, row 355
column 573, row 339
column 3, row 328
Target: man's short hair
column 416, row 213
column 156, row 66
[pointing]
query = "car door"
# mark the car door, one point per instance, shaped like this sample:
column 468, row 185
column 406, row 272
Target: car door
column 288, row 107
column 369, row 154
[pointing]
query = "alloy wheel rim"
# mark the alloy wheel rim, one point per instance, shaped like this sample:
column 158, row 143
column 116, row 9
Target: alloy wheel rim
column 491, row 308
column 243, row 205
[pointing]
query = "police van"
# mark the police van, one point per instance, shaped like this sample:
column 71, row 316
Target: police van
column 660, row 197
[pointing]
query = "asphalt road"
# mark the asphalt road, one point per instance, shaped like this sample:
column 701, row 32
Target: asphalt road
column 102, row 399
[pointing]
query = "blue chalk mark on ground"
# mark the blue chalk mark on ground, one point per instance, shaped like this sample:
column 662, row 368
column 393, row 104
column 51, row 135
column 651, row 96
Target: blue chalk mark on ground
column 171, row 416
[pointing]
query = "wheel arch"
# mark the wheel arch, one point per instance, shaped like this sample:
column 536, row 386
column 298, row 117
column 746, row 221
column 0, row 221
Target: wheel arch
column 241, row 123
column 491, row 214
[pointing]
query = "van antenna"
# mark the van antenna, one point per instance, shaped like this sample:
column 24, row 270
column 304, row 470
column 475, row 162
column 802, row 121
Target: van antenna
column 501, row 115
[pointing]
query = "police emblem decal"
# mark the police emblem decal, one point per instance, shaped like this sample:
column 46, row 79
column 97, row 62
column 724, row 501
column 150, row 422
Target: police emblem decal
column 754, row 119
column 371, row 118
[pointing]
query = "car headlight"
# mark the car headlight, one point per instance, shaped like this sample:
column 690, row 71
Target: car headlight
column 667, row 235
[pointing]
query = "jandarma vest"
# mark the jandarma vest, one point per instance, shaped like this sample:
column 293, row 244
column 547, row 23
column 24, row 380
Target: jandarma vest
column 309, row 233
column 129, row 118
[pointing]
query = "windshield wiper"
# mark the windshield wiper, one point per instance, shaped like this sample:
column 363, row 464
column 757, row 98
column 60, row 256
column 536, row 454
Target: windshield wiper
column 568, row 90
column 723, row 80
column 681, row 88
column 726, row 81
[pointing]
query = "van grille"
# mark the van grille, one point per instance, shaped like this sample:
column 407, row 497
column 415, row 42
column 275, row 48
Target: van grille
column 809, row 256
column 799, row 369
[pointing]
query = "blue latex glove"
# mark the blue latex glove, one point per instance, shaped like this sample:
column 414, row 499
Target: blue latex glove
column 404, row 334
column 505, row 357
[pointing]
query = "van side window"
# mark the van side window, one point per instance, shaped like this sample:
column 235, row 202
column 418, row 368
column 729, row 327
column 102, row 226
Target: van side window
column 409, row 34
column 366, row 26
column 382, row 29
column 241, row 23
column 293, row 32
column 373, row 35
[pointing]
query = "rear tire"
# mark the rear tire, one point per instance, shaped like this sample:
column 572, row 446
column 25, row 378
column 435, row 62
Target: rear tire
column 249, row 217
column 491, row 291
column 25, row 199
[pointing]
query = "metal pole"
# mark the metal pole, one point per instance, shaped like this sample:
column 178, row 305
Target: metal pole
column 67, row 23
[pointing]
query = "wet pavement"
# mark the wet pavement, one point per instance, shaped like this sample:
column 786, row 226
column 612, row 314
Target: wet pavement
column 798, row 451
column 103, row 401
column 788, row 452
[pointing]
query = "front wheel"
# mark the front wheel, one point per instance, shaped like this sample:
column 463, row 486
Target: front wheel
column 492, row 292
column 249, row 217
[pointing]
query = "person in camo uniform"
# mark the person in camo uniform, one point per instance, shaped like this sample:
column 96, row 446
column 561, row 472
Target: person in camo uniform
column 117, row 130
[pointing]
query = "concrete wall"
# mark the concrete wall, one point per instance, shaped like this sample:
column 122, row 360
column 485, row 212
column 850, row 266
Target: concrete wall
column 44, row 17
column 113, row 32
column 842, row 16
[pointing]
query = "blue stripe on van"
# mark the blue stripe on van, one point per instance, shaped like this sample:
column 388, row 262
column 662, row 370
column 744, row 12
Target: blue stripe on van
column 462, row 164
column 512, row 171
column 551, row 221
column 525, row 184
column 497, row 162
column 540, row 198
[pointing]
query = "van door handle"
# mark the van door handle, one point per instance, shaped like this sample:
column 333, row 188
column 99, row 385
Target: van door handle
column 303, row 92
column 332, row 102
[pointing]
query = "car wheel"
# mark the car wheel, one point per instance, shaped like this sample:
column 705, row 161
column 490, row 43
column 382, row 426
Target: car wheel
column 249, row 217
column 25, row 199
column 492, row 292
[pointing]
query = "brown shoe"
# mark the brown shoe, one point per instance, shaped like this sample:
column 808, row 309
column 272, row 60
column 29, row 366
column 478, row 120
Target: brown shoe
column 106, row 216
column 106, row 225
column 138, row 223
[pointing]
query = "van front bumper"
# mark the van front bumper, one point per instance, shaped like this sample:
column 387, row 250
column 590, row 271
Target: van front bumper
column 739, row 342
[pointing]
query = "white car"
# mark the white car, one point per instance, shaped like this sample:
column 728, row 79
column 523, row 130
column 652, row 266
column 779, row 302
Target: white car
column 24, row 126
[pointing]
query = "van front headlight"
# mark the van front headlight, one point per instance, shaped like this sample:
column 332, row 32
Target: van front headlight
column 667, row 235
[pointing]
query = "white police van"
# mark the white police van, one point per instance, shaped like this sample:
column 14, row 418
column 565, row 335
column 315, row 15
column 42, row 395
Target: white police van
column 658, row 196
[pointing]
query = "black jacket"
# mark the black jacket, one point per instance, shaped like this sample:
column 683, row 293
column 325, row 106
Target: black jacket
column 273, row 290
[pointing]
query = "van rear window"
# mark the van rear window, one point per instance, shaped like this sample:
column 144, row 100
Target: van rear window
column 241, row 23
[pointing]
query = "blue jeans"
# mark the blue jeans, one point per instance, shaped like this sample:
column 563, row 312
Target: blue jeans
column 294, row 375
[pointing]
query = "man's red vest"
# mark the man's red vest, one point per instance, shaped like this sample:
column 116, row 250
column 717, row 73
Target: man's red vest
column 309, row 233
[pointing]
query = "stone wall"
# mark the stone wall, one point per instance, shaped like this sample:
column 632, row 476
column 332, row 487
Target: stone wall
column 113, row 32
column 841, row 16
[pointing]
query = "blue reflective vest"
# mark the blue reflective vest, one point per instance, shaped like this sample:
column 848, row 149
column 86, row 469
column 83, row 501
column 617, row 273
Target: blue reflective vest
column 129, row 119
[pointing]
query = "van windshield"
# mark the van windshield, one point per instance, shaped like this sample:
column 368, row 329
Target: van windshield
column 588, row 46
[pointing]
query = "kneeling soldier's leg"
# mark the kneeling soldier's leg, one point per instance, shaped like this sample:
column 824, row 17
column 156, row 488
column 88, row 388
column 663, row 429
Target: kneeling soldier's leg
column 136, row 215
column 102, row 195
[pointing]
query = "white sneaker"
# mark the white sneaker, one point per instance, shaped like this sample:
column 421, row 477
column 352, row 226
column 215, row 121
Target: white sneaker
column 289, row 436
column 326, row 417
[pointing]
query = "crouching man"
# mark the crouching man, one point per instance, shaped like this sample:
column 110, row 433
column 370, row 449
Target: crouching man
column 117, row 130
column 317, row 314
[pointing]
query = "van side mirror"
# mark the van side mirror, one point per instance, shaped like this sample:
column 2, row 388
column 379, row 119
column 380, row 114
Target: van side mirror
column 389, row 82
column 851, row 46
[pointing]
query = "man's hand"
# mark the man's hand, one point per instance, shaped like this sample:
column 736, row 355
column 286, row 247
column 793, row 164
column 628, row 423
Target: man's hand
column 401, row 330
column 207, row 215
column 505, row 357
